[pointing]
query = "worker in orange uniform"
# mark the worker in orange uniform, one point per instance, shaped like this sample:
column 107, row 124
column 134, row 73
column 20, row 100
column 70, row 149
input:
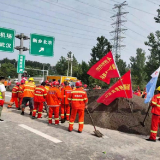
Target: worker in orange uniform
column 28, row 95
column 15, row 95
column 65, row 107
column 155, row 103
column 53, row 100
column 20, row 93
column 78, row 100
column 40, row 94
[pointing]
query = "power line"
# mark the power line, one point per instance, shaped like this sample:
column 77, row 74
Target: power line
column 45, row 21
column 105, row 2
column 142, row 11
column 59, row 12
column 153, row 2
column 43, row 30
column 73, row 10
column 102, row 9
column 52, row 28
column 48, row 15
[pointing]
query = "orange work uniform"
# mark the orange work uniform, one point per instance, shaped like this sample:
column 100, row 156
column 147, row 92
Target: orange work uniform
column 65, row 107
column 155, row 103
column 14, row 96
column 53, row 102
column 78, row 99
column 40, row 94
column 20, row 93
column 28, row 94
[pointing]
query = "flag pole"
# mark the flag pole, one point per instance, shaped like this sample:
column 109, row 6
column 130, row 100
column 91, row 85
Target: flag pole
column 123, row 87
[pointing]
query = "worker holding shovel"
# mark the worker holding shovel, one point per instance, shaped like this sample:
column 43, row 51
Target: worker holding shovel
column 155, row 103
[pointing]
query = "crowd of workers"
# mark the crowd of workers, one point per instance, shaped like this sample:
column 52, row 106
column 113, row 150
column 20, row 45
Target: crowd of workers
column 54, row 97
column 140, row 93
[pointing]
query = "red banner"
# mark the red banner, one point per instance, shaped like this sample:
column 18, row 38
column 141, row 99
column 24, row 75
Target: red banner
column 104, row 69
column 122, row 88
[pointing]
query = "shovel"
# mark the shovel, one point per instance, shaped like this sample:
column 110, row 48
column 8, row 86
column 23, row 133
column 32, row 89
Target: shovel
column 143, row 123
column 96, row 132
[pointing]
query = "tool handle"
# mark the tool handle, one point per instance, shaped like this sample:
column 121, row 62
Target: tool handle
column 146, row 113
column 91, row 118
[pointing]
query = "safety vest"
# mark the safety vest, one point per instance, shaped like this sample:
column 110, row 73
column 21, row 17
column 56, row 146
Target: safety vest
column 1, row 92
column 155, row 103
column 20, row 91
column 29, row 90
column 15, row 92
column 53, row 97
column 39, row 94
column 78, row 98
column 66, row 91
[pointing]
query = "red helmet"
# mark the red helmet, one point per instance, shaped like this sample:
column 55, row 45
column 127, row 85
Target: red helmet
column 62, row 84
column 46, row 81
column 85, row 85
column 22, row 81
column 54, row 83
column 57, row 83
column 50, row 84
column 18, row 83
column 78, row 84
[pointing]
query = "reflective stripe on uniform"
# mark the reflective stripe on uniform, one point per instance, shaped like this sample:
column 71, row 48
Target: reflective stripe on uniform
column 40, row 89
column 153, row 131
column 85, row 98
column 69, row 98
column 62, row 114
column 34, row 110
column 29, row 86
column 49, row 118
column 78, row 92
column 158, row 105
column 14, row 92
column 67, row 114
column 81, row 122
column 71, row 122
column 53, row 105
column 39, row 112
column 158, row 97
column 56, row 118
column 38, row 95
column 154, row 102
column 77, row 99
column 29, row 90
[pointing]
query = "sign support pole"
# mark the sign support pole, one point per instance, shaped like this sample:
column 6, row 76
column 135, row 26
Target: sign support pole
column 21, row 48
column 20, row 52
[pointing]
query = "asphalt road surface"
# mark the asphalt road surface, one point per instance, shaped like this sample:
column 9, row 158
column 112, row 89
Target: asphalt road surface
column 22, row 138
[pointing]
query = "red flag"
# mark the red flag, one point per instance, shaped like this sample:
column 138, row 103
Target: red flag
column 104, row 69
column 117, row 90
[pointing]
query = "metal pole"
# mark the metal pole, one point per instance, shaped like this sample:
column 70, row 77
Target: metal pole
column 71, row 64
column 68, row 68
column 21, row 52
column 43, row 72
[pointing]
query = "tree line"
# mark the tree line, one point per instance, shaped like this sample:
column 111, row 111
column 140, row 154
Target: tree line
column 141, row 66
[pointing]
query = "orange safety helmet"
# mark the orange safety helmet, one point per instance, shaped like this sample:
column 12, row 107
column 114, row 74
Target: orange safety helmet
column 78, row 84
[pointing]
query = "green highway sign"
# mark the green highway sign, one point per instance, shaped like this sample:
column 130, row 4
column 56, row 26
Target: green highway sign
column 21, row 63
column 41, row 45
column 7, row 40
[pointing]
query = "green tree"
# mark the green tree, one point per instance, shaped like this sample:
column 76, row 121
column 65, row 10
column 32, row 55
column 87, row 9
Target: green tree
column 62, row 66
column 121, row 65
column 157, row 19
column 100, row 50
column 153, row 61
column 138, row 69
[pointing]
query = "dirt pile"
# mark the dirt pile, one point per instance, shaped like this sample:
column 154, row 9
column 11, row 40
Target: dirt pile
column 117, row 115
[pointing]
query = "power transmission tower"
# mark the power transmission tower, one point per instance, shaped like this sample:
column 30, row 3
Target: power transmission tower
column 118, row 29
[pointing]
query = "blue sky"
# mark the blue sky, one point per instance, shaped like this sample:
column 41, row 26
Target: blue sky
column 76, row 25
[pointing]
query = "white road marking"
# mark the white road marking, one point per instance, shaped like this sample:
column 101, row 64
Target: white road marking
column 55, row 140
column 8, row 95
